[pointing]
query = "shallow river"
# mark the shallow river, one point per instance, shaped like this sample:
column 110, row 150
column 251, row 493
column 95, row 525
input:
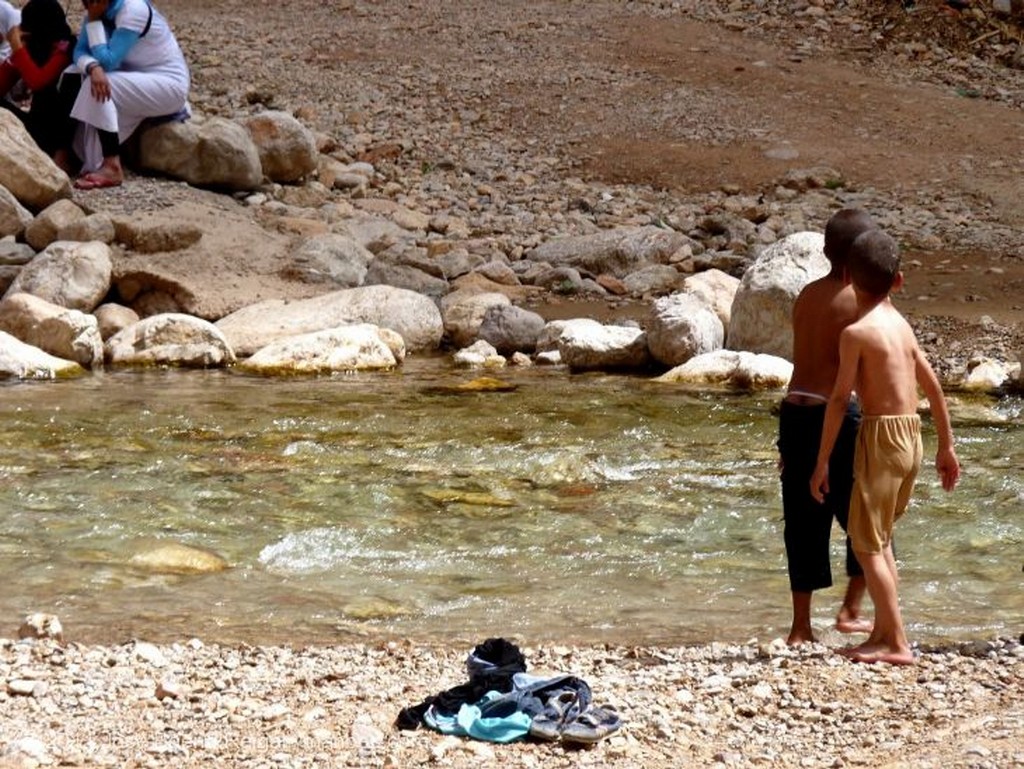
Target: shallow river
column 576, row 508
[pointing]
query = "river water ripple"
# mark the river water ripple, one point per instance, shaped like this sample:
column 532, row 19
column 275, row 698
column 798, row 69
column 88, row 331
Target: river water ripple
column 577, row 507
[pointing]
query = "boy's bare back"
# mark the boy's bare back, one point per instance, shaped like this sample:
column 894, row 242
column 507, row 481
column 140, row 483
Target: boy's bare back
column 821, row 311
column 883, row 358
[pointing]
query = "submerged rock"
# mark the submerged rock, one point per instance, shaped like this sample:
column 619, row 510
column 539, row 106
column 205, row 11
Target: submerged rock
column 177, row 558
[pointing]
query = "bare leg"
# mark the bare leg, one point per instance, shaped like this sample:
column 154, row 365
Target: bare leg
column 849, row 619
column 801, row 631
column 888, row 641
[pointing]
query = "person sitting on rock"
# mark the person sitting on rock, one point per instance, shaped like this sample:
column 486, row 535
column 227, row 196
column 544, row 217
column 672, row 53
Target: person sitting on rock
column 41, row 48
column 135, row 70
column 10, row 17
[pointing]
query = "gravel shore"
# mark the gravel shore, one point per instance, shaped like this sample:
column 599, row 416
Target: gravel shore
column 750, row 705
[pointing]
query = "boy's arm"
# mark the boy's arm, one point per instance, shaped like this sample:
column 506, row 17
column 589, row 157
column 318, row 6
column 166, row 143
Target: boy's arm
column 849, row 356
column 946, row 462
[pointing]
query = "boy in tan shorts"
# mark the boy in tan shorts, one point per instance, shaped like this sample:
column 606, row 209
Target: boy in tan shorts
column 879, row 357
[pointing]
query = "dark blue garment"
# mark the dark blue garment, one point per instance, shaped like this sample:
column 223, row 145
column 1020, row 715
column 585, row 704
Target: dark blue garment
column 809, row 523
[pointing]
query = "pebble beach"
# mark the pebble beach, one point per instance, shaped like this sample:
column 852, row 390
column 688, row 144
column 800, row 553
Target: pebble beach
column 755, row 704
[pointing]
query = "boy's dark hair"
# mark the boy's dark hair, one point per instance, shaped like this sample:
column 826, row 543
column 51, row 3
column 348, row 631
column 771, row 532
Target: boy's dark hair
column 874, row 262
column 842, row 229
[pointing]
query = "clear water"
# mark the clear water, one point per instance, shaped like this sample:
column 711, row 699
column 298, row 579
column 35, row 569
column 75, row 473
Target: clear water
column 586, row 507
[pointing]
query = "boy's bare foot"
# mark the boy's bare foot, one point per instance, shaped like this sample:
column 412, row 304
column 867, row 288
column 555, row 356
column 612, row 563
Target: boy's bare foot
column 800, row 634
column 847, row 624
column 870, row 653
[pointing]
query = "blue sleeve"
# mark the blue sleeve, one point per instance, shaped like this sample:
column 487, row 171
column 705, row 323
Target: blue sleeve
column 111, row 55
column 82, row 46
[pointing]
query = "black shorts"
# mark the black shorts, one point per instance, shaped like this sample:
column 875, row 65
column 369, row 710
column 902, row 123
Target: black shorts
column 808, row 523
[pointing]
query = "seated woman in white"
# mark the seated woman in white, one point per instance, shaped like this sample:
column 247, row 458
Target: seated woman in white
column 10, row 17
column 134, row 70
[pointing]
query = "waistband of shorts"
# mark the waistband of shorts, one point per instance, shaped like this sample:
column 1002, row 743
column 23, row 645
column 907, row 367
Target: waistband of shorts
column 890, row 418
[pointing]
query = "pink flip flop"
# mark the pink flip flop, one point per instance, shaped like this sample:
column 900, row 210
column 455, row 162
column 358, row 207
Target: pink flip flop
column 95, row 181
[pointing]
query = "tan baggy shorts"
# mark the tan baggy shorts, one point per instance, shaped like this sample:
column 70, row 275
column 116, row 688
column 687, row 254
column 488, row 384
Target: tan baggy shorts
column 885, row 465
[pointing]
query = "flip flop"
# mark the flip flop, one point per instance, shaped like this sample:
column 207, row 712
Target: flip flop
column 548, row 725
column 95, row 181
column 590, row 726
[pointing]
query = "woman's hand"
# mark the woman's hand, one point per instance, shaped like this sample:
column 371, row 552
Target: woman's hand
column 96, row 8
column 99, row 83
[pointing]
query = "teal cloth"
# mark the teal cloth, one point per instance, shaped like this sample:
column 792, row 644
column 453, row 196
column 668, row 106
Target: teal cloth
column 468, row 722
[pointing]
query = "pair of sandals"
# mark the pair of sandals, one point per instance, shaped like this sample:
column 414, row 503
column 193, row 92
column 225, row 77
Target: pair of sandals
column 562, row 720
column 95, row 181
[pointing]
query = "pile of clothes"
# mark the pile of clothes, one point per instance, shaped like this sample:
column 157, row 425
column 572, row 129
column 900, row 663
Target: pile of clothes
column 501, row 702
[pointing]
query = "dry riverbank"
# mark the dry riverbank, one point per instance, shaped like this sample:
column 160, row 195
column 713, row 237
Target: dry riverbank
column 750, row 705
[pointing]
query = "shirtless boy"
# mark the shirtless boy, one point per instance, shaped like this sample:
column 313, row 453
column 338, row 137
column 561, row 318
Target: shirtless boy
column 879, row 358
column 822, row 310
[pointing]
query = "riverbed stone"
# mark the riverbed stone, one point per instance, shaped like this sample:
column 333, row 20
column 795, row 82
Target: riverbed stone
column 43, row 229
column 146, row 237
column 761, row 319
column 23, row 361
column 98, row 227
column 358, row 347
column 27, row 172
column 332, row 259
column 112, row 317
column 716, row 289
column 65, row 333
column 287, row 149
column 73, row 275
column 463, row 312
column 480, row 354
column 741, row 370
column 12, row 253
column 177, row 558
column 510, row 328
column 680, row 327
column 587, row 345
column 617, row 252
column 988, row 374
column 414, row 316
column 654, row 279
column 170, row 339
column 209, row 152
column 14, row 217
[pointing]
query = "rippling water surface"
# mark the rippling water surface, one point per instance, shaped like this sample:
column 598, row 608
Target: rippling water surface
column 587, row 507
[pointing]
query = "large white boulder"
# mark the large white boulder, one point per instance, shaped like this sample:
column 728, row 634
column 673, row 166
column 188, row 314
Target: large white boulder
column 762, row 309
column 23, row 361
column 26, row 171
column 586, row 344
column 212, row 152
column 735, row 370
column 359, row 347
column 65, row 333
column 75, row 275
column 170, row 339
column 414, row 316
column 681, row 326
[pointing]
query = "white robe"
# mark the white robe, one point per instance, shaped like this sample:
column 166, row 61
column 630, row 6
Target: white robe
column 9, row 17
column 153, row 81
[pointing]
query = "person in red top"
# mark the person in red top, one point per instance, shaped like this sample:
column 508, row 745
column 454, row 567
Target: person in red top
column 41, row 50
